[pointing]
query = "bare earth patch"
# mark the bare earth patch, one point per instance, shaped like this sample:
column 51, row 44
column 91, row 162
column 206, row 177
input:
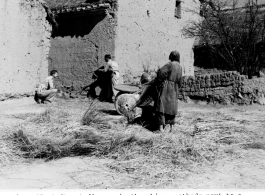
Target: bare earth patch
column 210, row 147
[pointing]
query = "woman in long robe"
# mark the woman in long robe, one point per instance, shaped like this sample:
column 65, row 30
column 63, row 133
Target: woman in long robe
column 168, row 83
column 164, row 91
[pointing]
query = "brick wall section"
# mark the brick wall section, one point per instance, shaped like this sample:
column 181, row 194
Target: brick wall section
column 223, row 88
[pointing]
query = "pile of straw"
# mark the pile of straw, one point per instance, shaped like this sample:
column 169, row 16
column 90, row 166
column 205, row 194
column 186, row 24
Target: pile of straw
column 8, row 152
column 195, row 141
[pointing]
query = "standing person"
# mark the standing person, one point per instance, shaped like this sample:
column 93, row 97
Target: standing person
column 107, row 78
column 46, row 91
column 113, row 67
column 168, row 84
column 164, row 91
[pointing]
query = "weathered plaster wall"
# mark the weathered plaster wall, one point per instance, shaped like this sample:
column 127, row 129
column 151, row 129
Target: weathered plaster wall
column 24, row 45
column 148, row 31
column 78, row 47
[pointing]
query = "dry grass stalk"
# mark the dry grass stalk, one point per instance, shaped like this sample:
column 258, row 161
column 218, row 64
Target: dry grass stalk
column 155, row 157
column 92, row 115
column 8, row 153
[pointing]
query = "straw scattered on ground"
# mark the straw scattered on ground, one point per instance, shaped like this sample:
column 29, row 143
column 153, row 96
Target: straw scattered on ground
column 80, row 129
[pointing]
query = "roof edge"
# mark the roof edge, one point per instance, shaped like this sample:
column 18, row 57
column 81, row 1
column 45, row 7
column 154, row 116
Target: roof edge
column 81, row 8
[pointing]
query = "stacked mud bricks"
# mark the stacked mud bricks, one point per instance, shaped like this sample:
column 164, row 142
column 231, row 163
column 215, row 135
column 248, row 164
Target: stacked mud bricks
column 221, row 87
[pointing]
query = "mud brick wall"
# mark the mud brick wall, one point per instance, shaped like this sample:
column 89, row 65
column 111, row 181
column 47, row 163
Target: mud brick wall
column 78, row 47
column 25, row 42
column 224, row 88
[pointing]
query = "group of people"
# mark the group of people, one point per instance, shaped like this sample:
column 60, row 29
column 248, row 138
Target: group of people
column 106, row 77
column 164, row 88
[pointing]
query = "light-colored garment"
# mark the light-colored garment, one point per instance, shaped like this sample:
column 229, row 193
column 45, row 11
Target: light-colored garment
column 115, row 78
column 47, row 94
column 114, row 82
column 45, row 90
column 46, row 85
column 112, row 65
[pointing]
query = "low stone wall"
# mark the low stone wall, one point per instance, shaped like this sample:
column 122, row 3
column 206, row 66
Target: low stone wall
column 223, row 88
column 253, row 91
column 217, row 88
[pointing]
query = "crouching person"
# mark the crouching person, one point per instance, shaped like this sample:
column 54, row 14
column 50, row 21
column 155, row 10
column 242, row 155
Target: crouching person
column 45, row 92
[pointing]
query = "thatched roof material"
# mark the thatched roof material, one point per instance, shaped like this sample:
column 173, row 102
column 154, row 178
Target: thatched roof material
column 82, row 8
column 65, row 6
column 54, row 7
column 53, row 4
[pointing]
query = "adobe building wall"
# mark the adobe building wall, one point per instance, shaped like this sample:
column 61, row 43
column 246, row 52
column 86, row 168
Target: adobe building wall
column 148, row 31
column 78, row 47
column 25, row 41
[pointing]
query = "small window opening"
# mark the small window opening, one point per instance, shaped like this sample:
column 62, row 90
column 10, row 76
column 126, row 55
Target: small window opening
column 178, row 9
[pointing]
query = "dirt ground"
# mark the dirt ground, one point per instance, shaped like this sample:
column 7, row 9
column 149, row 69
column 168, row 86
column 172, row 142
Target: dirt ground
column 245, row 170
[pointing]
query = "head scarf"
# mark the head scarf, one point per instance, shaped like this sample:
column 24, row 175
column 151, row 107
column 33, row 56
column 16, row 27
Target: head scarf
column 174, row 56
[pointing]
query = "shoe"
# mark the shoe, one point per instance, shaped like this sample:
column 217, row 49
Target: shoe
column 37, row 100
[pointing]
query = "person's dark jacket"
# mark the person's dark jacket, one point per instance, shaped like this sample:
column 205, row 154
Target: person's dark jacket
column 168, row 83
